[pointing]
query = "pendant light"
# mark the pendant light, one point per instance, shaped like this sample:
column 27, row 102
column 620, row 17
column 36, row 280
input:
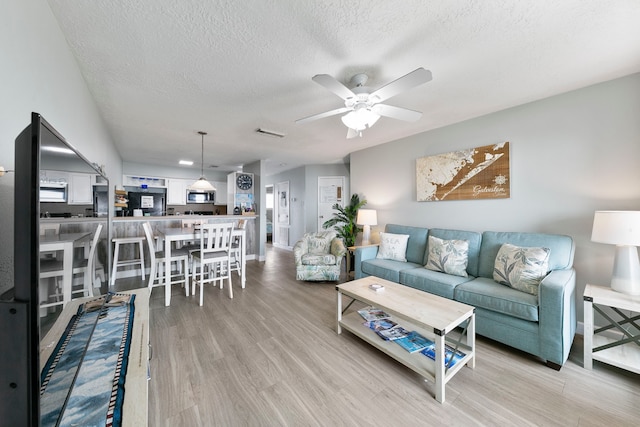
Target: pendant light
column 202, row 184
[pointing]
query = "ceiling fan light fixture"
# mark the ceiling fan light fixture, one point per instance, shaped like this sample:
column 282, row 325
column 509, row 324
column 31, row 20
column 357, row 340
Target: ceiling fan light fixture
column 202, row 184
column 360, row 119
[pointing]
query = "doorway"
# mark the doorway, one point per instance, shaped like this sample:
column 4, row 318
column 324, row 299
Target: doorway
column 269, row 214
column 330, row 191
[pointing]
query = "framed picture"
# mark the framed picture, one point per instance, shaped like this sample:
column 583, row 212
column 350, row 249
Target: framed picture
column 473, row 174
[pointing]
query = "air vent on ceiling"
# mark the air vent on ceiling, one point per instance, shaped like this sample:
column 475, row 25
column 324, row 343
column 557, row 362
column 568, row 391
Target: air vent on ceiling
column 270, row 133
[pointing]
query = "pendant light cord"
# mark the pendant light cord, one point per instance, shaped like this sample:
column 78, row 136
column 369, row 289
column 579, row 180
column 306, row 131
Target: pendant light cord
column 202, row 133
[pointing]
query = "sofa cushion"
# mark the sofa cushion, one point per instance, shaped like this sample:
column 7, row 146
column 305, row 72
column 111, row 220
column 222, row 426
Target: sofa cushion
column 386, row 268
column 490, row 295
column 561, row 256
column 393, row 246
column 448, row 256
column 318, row 259
column 521, row 268
column 417, row 244
column 434, row 282
column 473, row 237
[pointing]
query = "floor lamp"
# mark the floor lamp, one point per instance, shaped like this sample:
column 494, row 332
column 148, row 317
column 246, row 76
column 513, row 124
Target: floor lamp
column 621, row 228
column 366, row 218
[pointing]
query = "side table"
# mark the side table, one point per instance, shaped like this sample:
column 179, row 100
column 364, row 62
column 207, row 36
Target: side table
column 621, row 345
column 350, row 252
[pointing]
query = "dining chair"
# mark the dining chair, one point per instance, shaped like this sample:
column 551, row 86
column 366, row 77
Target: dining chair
column 46, row 230
column 214, row 254
column 236, row 249
column 50, row 283
column 159, row 263
column 86, row 267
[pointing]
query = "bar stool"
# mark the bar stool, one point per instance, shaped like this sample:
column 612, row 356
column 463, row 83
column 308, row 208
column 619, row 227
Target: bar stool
column 117, row 263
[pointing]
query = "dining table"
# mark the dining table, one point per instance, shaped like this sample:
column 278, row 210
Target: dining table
column 172, row 235
column 64, row 242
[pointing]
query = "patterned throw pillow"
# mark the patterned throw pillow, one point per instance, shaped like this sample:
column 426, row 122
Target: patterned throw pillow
column 393, row 246
column 448, row 256
column 319, row 244
column 521, row 268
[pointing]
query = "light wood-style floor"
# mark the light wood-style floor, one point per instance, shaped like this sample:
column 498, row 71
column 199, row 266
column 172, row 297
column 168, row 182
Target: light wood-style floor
column 271, row 357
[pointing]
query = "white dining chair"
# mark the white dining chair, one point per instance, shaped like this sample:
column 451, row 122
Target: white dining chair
column 159, row 263
column 86, row 267
column 236, row 249
column 47, row 229
column 213, row 257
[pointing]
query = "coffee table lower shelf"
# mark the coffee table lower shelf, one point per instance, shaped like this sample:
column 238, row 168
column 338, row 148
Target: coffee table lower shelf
column 417, row 362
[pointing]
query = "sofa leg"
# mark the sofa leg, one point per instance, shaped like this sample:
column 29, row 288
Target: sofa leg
column 554, row 365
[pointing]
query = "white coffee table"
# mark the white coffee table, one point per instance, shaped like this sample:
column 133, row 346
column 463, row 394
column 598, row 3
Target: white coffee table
column 432, row 316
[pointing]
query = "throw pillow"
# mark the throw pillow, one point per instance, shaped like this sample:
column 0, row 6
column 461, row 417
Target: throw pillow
column 521, row 268
column 448, row 256
column 319, row 244
column 393, row 246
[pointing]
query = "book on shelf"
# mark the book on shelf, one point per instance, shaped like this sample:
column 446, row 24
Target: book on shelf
column 372, row 313
column 393, row 334
column 430, row 352
column 413, row 342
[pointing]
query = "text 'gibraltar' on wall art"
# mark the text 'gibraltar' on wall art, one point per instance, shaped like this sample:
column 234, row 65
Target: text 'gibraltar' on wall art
column 476, row 173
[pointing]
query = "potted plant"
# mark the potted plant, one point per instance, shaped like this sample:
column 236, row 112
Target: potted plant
column 344, row 220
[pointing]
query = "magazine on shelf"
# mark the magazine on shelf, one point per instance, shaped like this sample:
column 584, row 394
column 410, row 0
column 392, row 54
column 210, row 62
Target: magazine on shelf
column 394, row 333
column 430, row 352
column 372, row 313
column 380, row 324
column 413, row 342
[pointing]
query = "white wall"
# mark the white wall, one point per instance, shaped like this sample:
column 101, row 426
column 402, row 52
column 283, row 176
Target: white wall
column 571, row 155
column 39, row 73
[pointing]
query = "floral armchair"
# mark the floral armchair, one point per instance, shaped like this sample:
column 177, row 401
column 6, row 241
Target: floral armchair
column 319, row 256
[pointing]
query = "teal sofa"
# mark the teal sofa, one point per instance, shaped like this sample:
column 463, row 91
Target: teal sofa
column 543, row 325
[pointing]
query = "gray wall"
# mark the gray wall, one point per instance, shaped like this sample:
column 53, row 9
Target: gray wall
column 39, row 73
column 571, row 155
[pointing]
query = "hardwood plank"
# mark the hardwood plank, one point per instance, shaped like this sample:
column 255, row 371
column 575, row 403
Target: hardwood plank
column 271, row 357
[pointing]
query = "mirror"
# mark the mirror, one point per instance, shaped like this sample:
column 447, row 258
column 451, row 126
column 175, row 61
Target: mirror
column 74, row 225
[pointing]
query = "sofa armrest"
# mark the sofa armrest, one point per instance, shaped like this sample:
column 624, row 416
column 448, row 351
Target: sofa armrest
column 363, row 254
column 557, row 314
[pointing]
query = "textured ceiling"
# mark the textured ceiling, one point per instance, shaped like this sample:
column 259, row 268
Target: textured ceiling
column 161, row 70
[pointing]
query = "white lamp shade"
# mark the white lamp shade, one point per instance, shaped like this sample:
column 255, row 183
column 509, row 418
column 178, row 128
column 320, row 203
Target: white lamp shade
column 616, row 228
column 367, row 217
column 202, row 185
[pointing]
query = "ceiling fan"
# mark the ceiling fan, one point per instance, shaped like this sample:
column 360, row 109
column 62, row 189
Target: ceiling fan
column 362, row 106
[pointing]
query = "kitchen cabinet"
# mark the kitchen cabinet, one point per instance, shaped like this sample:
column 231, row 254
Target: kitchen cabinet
column 177, row 191
column 80, row 189
column 221, row 193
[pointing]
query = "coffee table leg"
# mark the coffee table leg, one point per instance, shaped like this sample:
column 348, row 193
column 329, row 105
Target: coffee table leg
column 439, row 366
column 471, row 339
column 339, row 318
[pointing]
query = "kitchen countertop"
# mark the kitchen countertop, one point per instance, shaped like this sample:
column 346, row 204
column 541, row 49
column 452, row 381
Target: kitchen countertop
column 180, row 217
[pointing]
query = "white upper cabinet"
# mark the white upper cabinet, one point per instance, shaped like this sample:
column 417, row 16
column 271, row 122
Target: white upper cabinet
column 80, row 189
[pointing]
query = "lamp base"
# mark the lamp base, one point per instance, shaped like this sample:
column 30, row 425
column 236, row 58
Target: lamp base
column 366, row 235
column 626, row 271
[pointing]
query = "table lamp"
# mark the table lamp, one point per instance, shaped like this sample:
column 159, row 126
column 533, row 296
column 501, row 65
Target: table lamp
column 366, row 218
column 621, row 228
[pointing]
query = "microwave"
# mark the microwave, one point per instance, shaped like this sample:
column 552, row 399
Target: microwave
column 53, row 192
column 200, row 197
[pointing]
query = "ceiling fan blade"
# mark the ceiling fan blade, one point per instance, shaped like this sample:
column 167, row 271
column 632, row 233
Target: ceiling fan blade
column 333, row 85
column 396, row 112
column 323, row 115
column 404, row 83
column 353, row 133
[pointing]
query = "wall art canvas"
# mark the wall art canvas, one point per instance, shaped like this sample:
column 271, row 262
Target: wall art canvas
column 473, row 174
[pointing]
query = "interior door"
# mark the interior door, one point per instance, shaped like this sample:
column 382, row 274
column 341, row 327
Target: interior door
column 330, row 191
